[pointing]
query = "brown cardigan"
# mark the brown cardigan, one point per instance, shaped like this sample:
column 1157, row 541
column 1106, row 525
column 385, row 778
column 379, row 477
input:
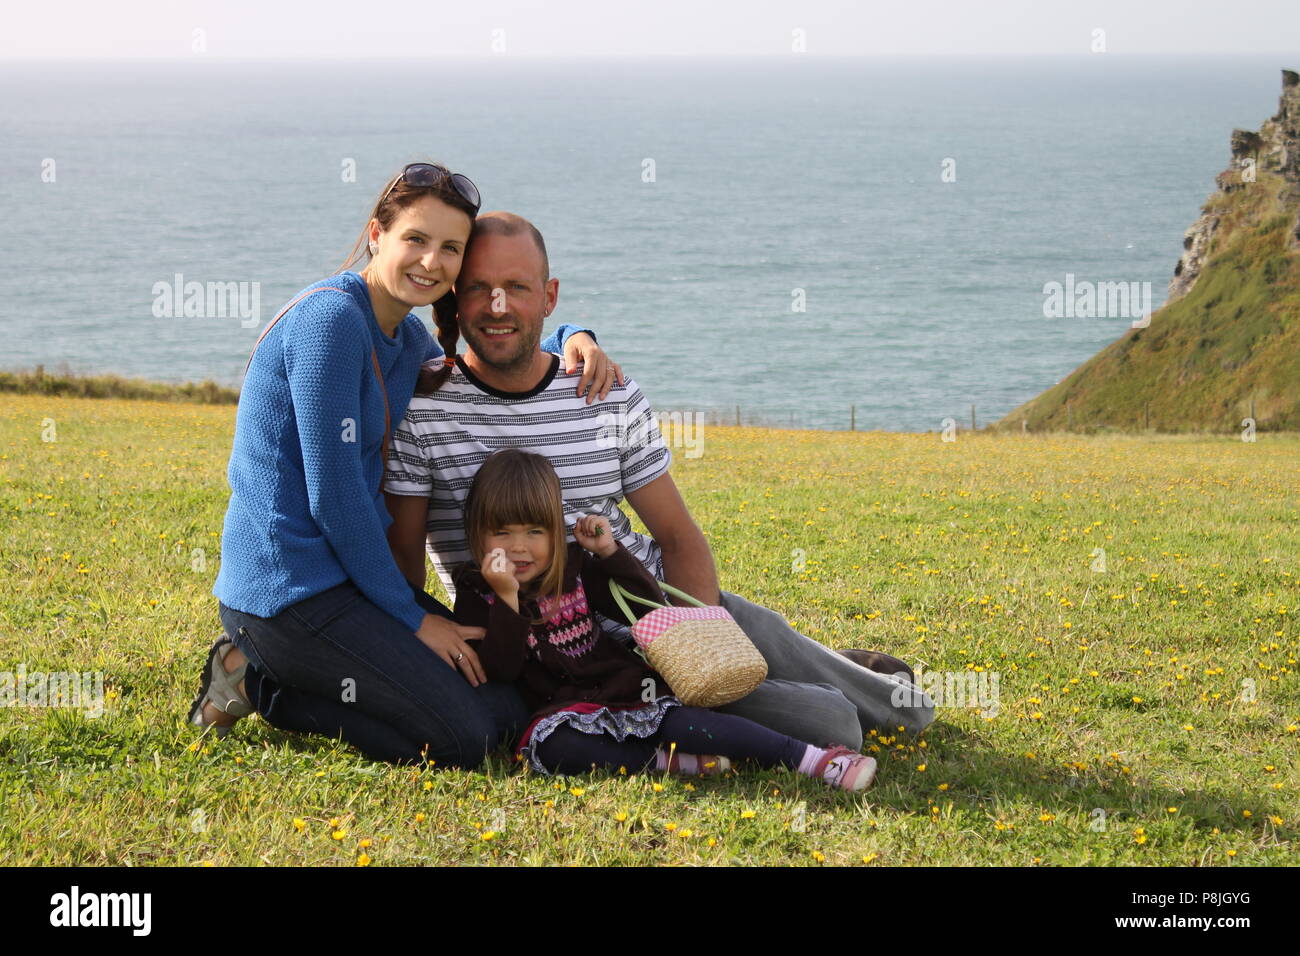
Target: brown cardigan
column 570, row 660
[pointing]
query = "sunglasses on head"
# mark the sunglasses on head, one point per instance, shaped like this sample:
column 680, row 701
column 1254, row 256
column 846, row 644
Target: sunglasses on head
column 431, row 174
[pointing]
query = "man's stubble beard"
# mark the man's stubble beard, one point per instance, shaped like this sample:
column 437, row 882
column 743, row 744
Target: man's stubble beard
column 530, row 345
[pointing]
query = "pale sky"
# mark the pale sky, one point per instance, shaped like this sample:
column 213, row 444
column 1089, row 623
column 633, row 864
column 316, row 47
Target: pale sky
column 565, row 28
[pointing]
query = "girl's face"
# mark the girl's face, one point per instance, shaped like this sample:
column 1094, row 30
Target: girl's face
column 528, row 546
column 419, row 255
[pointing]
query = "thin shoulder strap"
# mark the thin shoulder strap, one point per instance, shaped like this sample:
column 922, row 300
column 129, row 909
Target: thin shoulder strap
column 374, row 361
column 324, row 288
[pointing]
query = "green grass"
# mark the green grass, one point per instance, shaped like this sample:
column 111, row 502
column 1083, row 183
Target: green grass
column 976, row 553
column 38, row 381
column 1232, row 340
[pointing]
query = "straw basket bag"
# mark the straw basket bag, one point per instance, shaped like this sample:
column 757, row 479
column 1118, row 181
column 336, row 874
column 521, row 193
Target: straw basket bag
column 701, row 651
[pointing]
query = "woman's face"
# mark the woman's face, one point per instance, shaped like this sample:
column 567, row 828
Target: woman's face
column 419, row 255
column 527, row 547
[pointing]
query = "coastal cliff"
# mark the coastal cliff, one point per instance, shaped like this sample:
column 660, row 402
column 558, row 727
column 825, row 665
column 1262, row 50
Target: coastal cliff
column 1226, row 345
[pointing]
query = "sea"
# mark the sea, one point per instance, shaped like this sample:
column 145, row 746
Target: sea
column 795, row 241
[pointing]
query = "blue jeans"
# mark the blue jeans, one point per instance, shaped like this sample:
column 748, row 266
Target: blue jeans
column 335, row 664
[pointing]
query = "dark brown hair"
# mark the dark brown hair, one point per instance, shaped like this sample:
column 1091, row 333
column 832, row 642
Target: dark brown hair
column 489, row 224
column 397, row 195
column 518, row 487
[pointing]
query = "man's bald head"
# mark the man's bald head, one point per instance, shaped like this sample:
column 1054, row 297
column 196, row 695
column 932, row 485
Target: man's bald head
column 501, row 223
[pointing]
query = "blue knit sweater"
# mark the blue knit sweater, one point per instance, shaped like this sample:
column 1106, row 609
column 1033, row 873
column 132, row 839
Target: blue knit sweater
column 305, row 508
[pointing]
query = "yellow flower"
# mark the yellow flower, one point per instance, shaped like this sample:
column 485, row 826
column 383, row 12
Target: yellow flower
column 684, row 834
column 920, row 768
column 339, row 834
column 364, row 843
column 577, row 791
column 670, row 827
column 1232, row 853
column 428, row 785
column 943, row 786
column 1277, row 821
column 1172, row 809
column 870, row 857
column 621, row 816
column 299, row 824
column 1046, row 817
column 746, row 814
column 657, row 787
column 487, row 835
column 419, row 818
column 363, row 860
column 1247, row 814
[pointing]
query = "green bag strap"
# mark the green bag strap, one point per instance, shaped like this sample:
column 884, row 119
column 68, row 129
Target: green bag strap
column 621, row 594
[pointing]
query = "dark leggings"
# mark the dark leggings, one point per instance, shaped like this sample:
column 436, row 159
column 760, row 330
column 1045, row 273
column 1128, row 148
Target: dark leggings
column 695, row 731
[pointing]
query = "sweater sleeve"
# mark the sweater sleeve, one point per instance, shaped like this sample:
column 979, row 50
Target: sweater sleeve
column 555, row 341
column 325, row 359
column 621, row 566
column 504, row 649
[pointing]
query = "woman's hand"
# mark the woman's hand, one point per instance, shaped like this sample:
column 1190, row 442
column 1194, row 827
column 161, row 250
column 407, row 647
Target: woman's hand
column 499, row 572
column 447, row 639
column 594, row 533
column 598, row 372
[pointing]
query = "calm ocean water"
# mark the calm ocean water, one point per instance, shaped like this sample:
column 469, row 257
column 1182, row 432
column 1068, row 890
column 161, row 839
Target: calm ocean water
column 923, row 297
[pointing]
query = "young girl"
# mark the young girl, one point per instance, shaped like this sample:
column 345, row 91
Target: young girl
column 595, row 702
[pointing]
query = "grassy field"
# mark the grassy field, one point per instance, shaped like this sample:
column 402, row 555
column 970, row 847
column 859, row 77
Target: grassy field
column 1148, row 713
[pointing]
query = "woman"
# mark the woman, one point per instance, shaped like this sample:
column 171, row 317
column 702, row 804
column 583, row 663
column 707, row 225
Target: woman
column 322, row 632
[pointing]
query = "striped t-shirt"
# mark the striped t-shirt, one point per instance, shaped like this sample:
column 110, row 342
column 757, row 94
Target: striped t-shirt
column 601, row 452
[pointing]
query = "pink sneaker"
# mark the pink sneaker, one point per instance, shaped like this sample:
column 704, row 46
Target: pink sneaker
column 845, row 768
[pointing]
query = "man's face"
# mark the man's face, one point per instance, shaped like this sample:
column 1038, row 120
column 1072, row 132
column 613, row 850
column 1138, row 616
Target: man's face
column 502, row 300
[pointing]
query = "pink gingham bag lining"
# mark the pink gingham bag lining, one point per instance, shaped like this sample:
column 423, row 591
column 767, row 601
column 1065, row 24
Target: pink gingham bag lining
column 653, row 625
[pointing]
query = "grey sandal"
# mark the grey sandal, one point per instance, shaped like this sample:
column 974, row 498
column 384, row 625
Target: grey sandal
column 220, row 689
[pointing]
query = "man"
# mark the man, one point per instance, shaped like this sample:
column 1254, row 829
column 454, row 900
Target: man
column 506, row 392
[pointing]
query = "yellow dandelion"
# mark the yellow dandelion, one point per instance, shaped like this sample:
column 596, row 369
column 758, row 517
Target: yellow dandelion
column 363, row 860
column 819, row 856
column 746, row 814
column 621, row 816
column 299, row 824
column 339, row 834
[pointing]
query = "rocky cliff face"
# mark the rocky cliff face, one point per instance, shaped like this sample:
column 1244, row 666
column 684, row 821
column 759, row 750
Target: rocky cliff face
column 1275, row 148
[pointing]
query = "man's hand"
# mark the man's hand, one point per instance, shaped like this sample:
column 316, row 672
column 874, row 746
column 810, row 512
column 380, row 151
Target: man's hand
column 598, row 372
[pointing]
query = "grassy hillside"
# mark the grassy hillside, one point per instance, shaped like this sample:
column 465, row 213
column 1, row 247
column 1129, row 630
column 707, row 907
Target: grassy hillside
column 1148, row 714
column 1233, row 338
